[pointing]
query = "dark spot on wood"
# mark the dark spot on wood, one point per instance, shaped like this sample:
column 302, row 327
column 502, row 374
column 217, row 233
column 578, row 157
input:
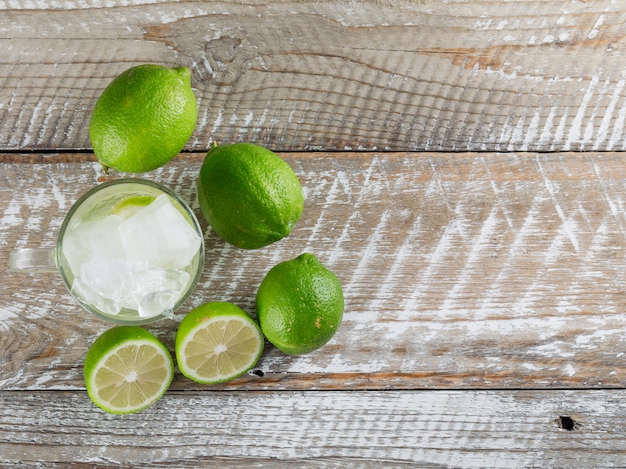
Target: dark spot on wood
column 567, row 423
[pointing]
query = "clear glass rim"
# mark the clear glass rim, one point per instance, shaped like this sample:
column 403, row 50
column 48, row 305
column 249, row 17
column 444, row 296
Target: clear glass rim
column 144, row 182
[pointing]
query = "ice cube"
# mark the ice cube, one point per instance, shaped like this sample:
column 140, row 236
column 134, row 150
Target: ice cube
column 156, row 291
column 104, row 276
column 152, row 281
column 110, row 278
column 94, row 238
column 160, row 235
column 88, row 296
column 160, row 302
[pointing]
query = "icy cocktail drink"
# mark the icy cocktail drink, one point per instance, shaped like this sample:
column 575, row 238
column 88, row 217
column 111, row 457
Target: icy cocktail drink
column 130, row 251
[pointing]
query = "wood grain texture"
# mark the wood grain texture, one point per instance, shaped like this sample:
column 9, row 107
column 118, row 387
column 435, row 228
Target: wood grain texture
column 330, row 75
column 464, row 173
column 459, row 270
column 469, row 429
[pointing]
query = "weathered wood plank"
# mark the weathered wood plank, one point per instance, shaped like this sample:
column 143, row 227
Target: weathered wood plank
column 489, row 429
column 330, row 75
column 459, row 270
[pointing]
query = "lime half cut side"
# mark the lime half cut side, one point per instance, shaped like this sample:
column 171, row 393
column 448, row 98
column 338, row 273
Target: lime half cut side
column 217, row 342
column 127, row 369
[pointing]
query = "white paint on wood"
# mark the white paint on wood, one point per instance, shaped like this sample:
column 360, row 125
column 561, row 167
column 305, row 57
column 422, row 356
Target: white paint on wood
column 486, row 77
column 595, row 30
column 575, row 134
column 472, row 429
column 568, row 224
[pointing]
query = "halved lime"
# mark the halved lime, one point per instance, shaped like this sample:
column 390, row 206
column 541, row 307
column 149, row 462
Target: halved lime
column 127, row 369
column 217, row 342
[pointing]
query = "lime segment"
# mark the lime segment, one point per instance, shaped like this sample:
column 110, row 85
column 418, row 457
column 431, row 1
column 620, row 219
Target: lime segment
column 217, row 342
column 131, row 205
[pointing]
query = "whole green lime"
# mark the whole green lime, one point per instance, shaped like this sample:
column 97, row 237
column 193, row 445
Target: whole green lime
column 249, row 195
column 299, row 305
column 143, row 118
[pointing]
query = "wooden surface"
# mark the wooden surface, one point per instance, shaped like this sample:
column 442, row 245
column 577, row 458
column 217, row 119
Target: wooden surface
column 464, row 177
